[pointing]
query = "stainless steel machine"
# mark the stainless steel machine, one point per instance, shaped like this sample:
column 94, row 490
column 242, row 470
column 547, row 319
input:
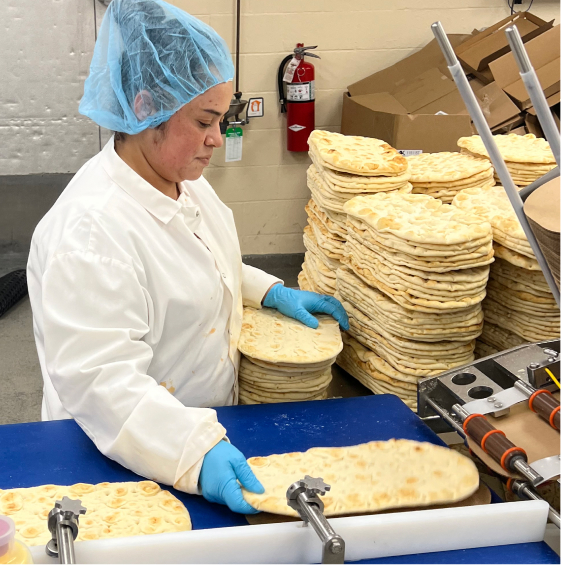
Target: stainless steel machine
column 475, row 399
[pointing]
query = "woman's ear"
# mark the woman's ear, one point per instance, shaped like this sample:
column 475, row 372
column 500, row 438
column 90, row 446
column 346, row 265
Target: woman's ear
column 144, row 105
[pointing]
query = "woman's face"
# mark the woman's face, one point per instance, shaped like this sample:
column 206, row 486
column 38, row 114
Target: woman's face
column 184, row 147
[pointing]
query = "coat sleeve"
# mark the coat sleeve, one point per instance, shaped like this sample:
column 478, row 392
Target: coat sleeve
column 255, row 284
column 96, row 314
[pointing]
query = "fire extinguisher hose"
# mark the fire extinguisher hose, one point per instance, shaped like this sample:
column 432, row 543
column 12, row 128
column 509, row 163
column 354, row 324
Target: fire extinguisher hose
column 280, row 82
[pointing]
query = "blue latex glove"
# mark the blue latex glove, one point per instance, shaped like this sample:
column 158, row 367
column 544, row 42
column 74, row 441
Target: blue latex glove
column 301, row 304
column 223, row 466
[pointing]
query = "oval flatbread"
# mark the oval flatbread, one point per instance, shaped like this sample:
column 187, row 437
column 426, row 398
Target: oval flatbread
column 368, row 477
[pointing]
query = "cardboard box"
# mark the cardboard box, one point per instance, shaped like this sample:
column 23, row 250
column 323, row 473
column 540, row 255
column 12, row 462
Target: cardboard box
column 485, row 76
column 391, row 78
column 380, row 115
column 496, row 105
column 543, row 52
column 479, row 50
column 551, row 100
column 509, row 125
column 519, row 130
column 555, row 113
column 413, row 105
column 533, row 125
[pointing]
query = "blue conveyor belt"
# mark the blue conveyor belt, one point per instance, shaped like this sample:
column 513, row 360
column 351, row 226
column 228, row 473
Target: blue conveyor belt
column 60, row 453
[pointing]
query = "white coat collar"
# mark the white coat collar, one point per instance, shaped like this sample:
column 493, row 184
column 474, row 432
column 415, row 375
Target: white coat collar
column 149, row 197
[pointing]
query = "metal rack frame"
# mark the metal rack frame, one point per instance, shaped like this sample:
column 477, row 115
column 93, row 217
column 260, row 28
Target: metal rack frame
column 537, row 97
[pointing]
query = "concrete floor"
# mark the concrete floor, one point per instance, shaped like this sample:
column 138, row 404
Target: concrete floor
column 21, row 384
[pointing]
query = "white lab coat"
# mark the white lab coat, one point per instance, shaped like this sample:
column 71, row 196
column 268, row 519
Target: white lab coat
column 131, row 290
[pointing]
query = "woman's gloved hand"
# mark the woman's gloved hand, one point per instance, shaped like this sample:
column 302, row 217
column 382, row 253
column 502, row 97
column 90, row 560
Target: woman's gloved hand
column 301, row 304
column 223, row 466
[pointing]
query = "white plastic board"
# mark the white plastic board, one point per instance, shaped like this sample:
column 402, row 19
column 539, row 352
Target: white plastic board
column 365, row 537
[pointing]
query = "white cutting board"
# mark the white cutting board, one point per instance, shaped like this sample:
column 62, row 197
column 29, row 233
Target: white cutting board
column 365, row 537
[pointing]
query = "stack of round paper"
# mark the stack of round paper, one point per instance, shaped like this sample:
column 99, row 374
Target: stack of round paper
column 527, row 157
column 343, row 167
column 443, row 175
column 416, row 276
column 284, row 360
column 518, row 298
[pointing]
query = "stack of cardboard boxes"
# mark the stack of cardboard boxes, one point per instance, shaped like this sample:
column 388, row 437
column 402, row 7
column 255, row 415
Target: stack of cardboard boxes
column 415, row 105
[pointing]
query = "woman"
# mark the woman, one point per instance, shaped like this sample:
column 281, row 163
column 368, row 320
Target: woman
column 135, row 274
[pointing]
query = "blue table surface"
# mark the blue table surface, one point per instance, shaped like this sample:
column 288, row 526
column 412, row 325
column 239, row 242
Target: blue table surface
column 60, row 453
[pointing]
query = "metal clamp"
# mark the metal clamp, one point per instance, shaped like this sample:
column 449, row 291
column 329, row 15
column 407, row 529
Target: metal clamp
column 63, row 525
column 302, row 496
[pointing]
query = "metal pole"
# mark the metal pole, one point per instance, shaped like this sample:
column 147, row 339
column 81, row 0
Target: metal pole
column 446, row 416
column 530, row 494
column 65, row 543
column 478, row 118
column 532, row 84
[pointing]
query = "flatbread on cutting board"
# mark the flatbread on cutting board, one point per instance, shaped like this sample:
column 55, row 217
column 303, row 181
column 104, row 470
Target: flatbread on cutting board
column 114, row 510
column 368, row 477
column 481, row 496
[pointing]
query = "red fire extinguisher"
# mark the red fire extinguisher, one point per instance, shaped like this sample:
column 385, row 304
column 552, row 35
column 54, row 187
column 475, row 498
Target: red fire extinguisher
column 299, row 101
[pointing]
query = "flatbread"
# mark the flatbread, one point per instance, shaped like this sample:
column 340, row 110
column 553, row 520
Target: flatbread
column 492, row 204
column 418, row 218
column 484, row 350
column 499, row 338
column 342, row 182
column 402, row 355
column 354, row 154
column 515, row 258
column 403, row 295
column 409, row 324
column 523, row 324
column 113, row 510
column 525, row 278
column 368, row 477
column 446, row 166
column 514, row 148
column 267, row 335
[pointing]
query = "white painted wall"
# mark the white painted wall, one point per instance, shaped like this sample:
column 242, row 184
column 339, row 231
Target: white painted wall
column 46, row 47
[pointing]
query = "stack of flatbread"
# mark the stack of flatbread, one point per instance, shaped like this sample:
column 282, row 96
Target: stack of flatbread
column 518, row 301
column 284, row 360
column 415, row 276
column 114, row 510
column 527, row 157
column 343, row 167
column 443, row 175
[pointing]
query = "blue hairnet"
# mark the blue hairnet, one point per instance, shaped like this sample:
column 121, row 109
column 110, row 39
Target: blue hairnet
column 150, row 46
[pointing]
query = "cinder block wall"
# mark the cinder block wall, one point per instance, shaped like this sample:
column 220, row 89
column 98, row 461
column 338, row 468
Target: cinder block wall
column 47, row 47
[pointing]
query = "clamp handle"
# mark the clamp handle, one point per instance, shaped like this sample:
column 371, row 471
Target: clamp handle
column 63, row 525
column 314, row 486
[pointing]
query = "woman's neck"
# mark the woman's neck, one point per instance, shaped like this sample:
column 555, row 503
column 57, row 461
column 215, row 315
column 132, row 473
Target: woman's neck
column 131, row 153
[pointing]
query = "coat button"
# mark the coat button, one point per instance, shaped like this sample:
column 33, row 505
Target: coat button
column 198, row 213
